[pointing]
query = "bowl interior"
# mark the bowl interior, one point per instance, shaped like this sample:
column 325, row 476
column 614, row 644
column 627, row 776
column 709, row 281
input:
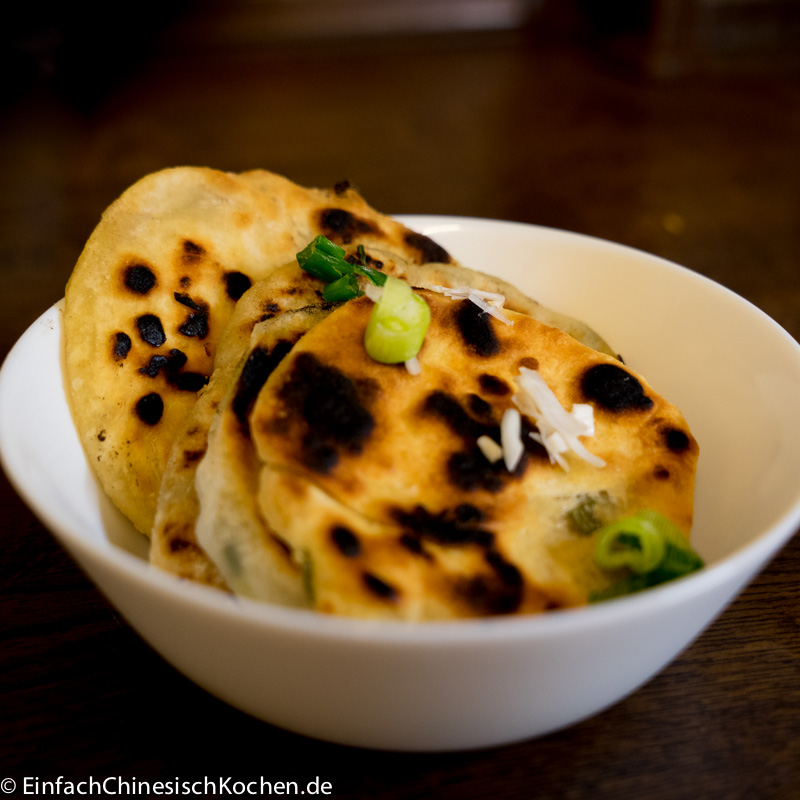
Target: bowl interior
column 733, row 372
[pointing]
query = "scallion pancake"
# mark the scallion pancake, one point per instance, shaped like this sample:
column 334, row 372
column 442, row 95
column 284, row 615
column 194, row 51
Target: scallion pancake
column 372, row 478
column 287, row 291
column 155, row 287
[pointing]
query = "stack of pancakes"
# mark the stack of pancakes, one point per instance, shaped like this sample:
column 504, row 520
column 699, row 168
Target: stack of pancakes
column 235, row 417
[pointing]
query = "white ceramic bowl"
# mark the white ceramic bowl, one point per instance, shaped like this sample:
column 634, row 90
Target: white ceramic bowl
column 443, row 686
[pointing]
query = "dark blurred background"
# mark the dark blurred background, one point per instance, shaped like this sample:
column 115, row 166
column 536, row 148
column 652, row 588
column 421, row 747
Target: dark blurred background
column 669, row 125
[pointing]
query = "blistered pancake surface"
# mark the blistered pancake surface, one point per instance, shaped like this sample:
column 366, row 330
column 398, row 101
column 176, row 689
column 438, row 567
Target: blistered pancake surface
column 157, row 283
column 374, row 479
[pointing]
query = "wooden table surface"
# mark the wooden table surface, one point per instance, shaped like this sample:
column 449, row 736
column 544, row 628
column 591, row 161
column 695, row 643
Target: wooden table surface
column 703, row 169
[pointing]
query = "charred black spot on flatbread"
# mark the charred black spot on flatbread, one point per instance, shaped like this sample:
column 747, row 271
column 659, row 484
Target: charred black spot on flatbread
column 151, row 330
column 122, row 345
column 529, row 362
column 196, row 324
column 451, row 412
column 498, row 592
column 345, row 541
column 476, row 329
column 193, row 456
column 493, row 385
column 367, row 261
column 480, row 407
column 341, row 226
column 190, row 381
column 236, row 284
column 192, row 251
column 178, row 545
column 139, row 278
column 676, row 440
column 150, row 408
column 186, row 300
column 470, row 470
column 331, row 406
column 171, row 365
column 380, row 587
column 414, row 545
column 270, row 311
column 468, row 514
column 430, row 251
column 177, row 359
column 154, row 366
column 614, row 388
column 260, row 364
column 448, row 527
column 341, row 187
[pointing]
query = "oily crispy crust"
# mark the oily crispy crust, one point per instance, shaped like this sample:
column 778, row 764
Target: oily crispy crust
column 373, row 478
column 229, row 529
column 154, row 288
column 174, row 545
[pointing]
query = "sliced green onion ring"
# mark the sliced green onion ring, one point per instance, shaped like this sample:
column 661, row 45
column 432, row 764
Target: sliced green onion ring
column 634, row 542
column 650, row 546
column 397, row 326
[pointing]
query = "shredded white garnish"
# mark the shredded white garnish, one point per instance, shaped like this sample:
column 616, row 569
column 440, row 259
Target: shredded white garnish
column 490, row 302
column 559, row 429
column 511, row 438
column 372, row 291
column 413, row 366
column 490, row 449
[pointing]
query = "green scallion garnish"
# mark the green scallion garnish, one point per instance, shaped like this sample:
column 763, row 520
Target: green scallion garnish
column 325, row 260
column 582, row 518
column 342, row 289
column 397, row 326
column 649, row 546
column 400, row 318
column 375, row 275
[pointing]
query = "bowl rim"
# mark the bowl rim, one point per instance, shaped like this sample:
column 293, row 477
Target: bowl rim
column 740, row 565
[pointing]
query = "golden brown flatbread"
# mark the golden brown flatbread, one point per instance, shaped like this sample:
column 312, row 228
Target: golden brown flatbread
column 154, row 288
column 454, row 275
column 174, row 546
column 252, row 560
column 374, row 480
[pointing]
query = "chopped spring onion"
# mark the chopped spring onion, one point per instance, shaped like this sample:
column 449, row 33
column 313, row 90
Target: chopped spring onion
column 375, row 276
column 650, row 546
column 559, row 429
column 325, row 260
column 343, row 288
column 582, row 518
column 397, row 326
column 635, row 542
